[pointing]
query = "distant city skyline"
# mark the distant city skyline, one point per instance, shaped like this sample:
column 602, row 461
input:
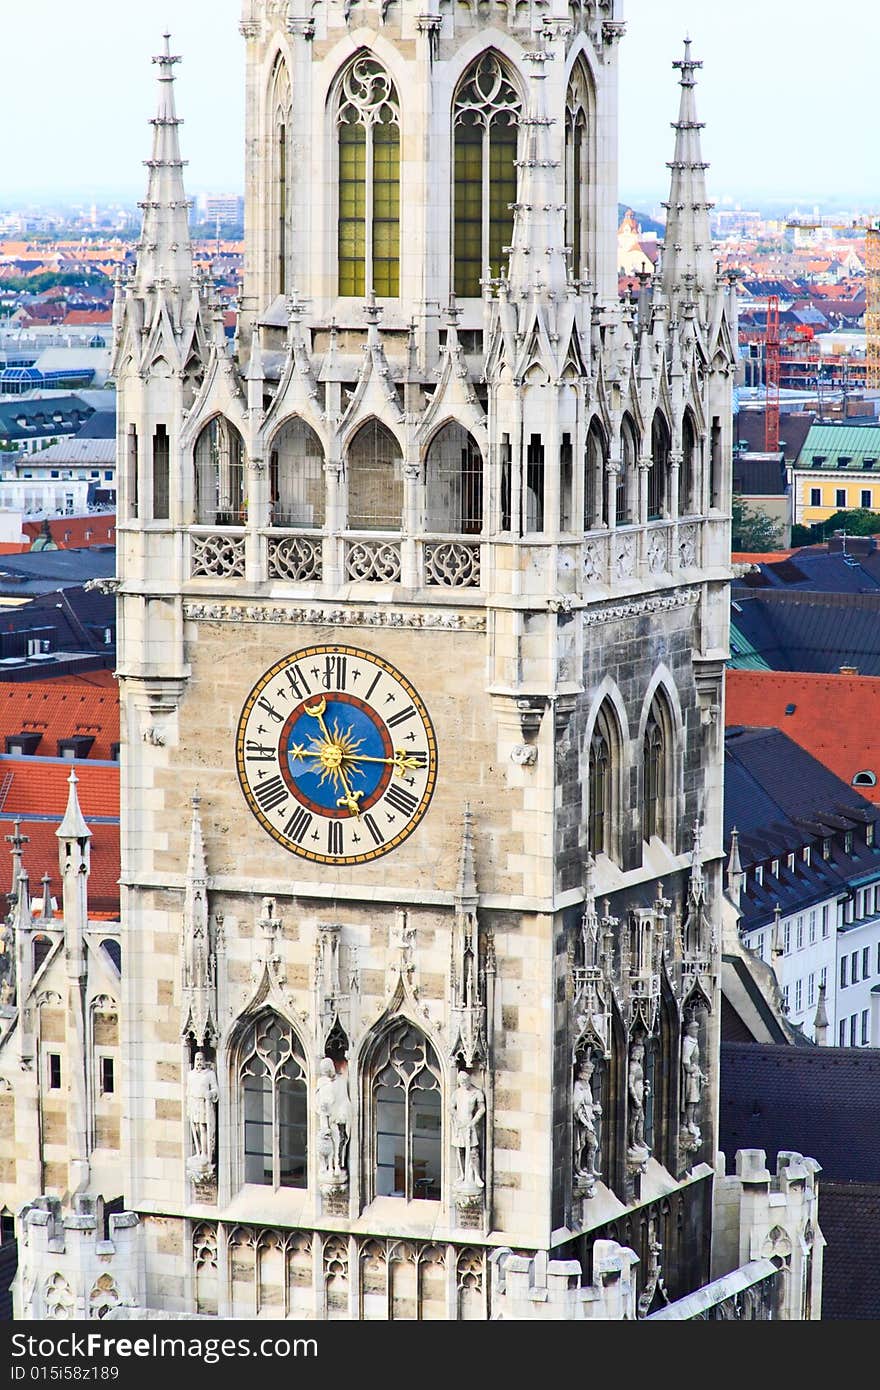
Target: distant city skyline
column 83, row 131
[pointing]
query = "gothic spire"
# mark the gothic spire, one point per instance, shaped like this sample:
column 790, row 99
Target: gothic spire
column 687, row 266
column 164, row 253
column 73, row 826
column 18, row 842
column 537, row 259
column 820, row 1022
column 734, row 869
column 466, row 891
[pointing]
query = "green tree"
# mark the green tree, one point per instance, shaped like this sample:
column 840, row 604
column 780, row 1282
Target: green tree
column 754, row 531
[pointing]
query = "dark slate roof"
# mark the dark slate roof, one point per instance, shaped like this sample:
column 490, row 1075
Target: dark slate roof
column 780, row 798
column 758, row 477
column 849, row 1218
column 794, row 630
column 76, row 619
column 43, row 571
column 814, row 572
column 101, row 425
column 39, row 414
column 822, row 1102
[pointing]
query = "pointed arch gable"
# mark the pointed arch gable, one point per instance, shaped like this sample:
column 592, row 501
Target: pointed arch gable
column 373, row 463
column 296, row 459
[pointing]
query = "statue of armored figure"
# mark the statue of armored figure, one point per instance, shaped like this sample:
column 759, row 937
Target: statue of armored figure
column 468, row 1109
column 585, row 1114
column 693, row 1078
column 334, row 1124
column 202, row 1095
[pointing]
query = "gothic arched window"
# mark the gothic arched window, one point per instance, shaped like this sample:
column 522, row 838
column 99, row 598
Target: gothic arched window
column 272, row 1079
column 375, row 480
column 368, row 118
column 627, row 478
column 406, row 1115
column 659, row 470
column 219, row 475
column 486, row 114
column 279, row 98
column 577, row 165
column 296, row 476
column 454, row 482
column 603, row 784
column 687, row 472
column 657, row 779
column 595, row 465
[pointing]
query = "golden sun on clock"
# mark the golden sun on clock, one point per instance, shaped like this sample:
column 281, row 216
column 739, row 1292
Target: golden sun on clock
column 336, row 754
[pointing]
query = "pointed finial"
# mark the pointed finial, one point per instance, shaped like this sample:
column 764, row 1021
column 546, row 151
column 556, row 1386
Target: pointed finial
column 777, row 931
column 46, row 909
column 820, row 1022
column 73, row 826
column 467, row 878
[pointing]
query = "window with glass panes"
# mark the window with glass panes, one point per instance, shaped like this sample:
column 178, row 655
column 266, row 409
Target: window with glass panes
column 407, row 1116
column 274, row 1105
column 486, row 116
column 368, row 236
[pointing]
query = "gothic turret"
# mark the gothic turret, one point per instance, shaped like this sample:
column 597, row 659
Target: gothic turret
column 164, row 262
column 687, row 265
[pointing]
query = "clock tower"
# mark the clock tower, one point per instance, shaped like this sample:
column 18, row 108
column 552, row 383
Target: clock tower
column 423, row 615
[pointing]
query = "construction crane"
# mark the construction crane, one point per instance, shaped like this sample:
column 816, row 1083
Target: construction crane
column 771, row 376
column 871, row 228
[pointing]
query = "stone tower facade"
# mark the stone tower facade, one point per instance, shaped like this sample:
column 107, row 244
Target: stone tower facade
column 423, row 614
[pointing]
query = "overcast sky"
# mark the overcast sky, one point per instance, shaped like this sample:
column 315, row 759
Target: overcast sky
column 788, row 97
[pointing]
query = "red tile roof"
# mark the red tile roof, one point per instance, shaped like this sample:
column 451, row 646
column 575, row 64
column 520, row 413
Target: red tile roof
column 59, row 709
column 84, row 318
column 835, row 718
column 69, row 532
column 39, row 787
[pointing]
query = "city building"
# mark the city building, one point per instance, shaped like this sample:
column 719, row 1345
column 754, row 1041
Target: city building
column 423, row 604
column 835, row 472
column 805, row 859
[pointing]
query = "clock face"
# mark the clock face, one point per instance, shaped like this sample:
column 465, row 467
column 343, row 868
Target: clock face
column 336, row 755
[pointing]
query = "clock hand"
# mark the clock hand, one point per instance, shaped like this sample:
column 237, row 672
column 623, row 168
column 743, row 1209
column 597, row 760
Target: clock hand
column 401, row 762
column 351, row 798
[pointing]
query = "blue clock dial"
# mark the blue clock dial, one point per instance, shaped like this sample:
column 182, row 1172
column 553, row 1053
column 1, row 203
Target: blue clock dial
column 336, row 754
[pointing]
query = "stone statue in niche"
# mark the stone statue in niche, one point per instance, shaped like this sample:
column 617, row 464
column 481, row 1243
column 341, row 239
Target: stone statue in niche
column 693, row 1078
column 202, row 1095
column 585, row 1116
column 638, row 1151
column 334, row 1124
column 468, row 1110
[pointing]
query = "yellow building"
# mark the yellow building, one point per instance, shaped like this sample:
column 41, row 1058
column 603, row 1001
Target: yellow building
column 838, row 469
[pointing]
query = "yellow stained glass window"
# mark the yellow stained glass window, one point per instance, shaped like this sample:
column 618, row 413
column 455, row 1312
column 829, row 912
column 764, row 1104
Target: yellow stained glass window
column 352, row 208
column 468, row 209
column 502, row 191
column 386, row 208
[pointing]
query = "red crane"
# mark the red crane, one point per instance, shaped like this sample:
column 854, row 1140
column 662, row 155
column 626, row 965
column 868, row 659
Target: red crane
column 771, row 377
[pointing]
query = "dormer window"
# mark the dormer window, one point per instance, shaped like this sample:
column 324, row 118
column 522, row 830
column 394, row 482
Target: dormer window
column 759, row 874
column 774, row 869
column 22, row 745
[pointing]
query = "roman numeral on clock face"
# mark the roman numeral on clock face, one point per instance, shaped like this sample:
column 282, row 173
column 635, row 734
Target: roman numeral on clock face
column 270, row 710
column 298, row 825
column 401, row 800
column 334, row 837
column 335, row 672
column 258, row 752
column 298, row 682
column 374, row 830
column 271, row 793
column 400, row 717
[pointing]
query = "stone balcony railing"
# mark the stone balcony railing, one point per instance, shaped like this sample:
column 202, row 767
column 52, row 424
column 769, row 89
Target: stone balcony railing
column 601, row 563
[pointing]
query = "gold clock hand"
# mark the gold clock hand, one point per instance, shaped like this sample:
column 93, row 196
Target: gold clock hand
column 401, row 762
column 351, row 798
